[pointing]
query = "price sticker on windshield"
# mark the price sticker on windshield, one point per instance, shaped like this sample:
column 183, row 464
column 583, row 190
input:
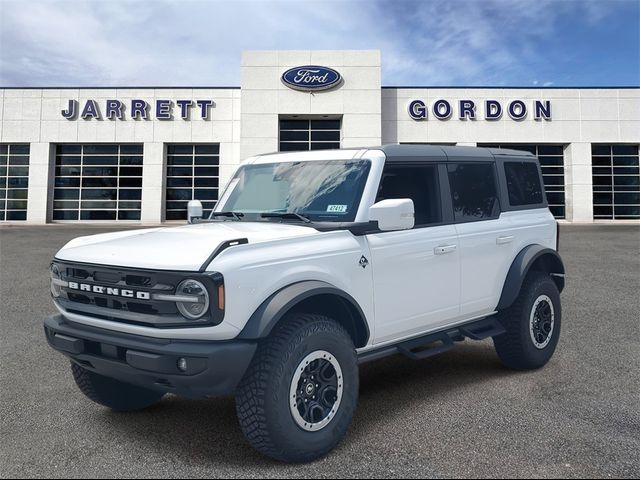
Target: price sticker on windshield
column 337, row 209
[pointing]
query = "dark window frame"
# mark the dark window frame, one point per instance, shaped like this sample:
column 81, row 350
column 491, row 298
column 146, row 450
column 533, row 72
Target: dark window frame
column 505, row 206
column 15, row 160
column 296, row 125
column 607, row 179
column 499, row 188
column 186, row 157
column 91, row 158
column 441, row 196
column 543, row 152
column 541, row 186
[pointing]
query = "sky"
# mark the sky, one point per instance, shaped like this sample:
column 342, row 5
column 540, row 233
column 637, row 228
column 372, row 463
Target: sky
column 423, row 43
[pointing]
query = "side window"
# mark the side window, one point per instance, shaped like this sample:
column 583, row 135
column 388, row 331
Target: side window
column 523, row 183
column 417, row 182
column 473, row 191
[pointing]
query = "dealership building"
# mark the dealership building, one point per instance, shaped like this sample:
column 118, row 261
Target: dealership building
column 138, row 154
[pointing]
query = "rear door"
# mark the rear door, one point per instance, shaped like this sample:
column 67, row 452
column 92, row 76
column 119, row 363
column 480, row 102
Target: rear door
column 416, row 272
column 485, row 238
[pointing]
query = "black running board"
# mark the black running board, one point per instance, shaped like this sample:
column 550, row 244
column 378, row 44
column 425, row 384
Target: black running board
column 436, row 343
column 425, row 347
column 488, row 327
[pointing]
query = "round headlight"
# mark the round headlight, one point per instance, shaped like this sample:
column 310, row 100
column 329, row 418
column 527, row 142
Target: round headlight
column 55, row 275
column 200, row 299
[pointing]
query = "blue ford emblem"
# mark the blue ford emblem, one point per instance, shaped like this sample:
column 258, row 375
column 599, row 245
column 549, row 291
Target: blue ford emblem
column 310, row 78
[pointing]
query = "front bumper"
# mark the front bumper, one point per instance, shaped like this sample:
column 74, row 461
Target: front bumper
column 213, row 368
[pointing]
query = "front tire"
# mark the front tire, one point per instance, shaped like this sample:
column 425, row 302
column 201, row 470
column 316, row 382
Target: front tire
column 300, row 392
column 532, row 324
column 113, row 393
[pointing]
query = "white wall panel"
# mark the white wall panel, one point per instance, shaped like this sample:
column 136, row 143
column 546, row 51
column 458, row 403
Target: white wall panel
column 245, row 122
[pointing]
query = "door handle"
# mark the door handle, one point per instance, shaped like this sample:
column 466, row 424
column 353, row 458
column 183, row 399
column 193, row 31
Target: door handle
column 503, row 240
column 442, row 249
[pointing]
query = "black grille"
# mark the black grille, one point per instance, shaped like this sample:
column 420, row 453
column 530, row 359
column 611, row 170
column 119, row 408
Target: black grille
column 107, row 277
column 149, row 312
column 78, row 273
column 121, row 279
column 115, row 277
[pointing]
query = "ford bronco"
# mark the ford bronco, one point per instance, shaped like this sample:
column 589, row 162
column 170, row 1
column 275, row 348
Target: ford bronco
column 310, row 264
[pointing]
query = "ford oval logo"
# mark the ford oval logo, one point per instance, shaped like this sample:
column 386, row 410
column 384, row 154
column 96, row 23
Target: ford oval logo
column 311, row 78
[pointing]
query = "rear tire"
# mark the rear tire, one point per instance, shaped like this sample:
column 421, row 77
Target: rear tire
column 112, row 393
column 532, row 324
column 299, row 394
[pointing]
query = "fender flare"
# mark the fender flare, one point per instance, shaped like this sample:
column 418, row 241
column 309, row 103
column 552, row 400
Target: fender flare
column 520, row 267
column 271, row 311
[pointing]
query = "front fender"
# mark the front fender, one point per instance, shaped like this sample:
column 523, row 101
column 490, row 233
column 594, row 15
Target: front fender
column 271, row 311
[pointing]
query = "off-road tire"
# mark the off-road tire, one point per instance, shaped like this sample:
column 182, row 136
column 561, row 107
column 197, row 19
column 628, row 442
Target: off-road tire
column 112, row 393
column 263, row 396
column 516, row 348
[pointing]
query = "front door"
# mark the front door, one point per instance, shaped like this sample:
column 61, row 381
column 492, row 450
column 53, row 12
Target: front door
column 416, row 272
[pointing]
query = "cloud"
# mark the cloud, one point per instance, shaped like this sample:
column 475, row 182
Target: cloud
column 478, row 42
column 160, row 42
column 123, row 42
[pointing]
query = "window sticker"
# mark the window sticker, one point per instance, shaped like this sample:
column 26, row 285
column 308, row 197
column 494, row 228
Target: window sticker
column 337, row 208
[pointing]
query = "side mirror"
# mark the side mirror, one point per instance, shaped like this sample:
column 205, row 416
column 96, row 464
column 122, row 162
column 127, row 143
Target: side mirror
column 194, row 211
column 393, row 214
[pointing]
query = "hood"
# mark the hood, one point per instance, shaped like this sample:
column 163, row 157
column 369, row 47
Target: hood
column 183, row 248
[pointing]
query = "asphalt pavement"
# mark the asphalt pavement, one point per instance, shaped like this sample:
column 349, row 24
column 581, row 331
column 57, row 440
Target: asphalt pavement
column 458, row 415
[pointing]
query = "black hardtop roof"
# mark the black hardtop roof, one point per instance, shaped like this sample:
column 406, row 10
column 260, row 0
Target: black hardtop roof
column 409, row 152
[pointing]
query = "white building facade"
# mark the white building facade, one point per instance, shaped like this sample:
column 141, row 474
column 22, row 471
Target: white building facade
column 137, row 155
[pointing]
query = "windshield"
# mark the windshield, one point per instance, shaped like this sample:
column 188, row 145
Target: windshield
column 318, row 190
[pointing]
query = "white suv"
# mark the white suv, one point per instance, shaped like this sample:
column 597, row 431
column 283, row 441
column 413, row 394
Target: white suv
column 311, row 263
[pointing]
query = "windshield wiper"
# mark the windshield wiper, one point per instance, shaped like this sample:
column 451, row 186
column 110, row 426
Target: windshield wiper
column 235, row 215
column 292, row 215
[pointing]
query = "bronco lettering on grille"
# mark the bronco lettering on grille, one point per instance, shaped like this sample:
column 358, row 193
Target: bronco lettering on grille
column 116, row 292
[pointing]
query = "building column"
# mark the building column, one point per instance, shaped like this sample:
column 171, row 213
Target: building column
column 229, row 161
column 41, row 175
column 578, row 182
column 153, row 182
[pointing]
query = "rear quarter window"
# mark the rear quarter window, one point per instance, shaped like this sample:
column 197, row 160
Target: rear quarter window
column 523, row 183
column 473, row 191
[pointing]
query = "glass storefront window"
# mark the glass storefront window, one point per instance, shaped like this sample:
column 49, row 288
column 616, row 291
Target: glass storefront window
column 616, row 181
column 98, row 182
column 300, row 135
column 192, row 173
column 14, row 181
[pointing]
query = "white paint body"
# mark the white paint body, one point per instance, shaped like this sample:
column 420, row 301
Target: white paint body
column 418, row 280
